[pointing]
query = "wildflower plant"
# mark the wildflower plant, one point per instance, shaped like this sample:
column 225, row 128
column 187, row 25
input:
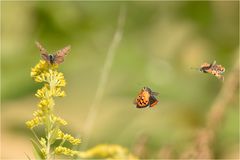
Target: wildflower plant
column 107, row 151
column 46, row 72
column 53, row 81
column 46, row 147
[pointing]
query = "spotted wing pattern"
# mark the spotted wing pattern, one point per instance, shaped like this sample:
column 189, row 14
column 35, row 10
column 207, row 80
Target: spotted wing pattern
column 214, row 69
column 218, row 70
column 142, row 100
column 146, row 98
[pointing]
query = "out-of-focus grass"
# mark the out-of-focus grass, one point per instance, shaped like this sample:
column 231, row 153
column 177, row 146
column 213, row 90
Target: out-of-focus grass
column 161, row 41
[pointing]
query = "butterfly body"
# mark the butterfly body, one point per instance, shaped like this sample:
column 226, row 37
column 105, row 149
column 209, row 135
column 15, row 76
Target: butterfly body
column 214, row 69
column 55, row 58
column 146, row 98
column 51, row 58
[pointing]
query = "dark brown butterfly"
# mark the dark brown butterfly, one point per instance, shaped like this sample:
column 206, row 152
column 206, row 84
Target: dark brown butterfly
column 214, row 69
column 145, row 98
column 56, row 58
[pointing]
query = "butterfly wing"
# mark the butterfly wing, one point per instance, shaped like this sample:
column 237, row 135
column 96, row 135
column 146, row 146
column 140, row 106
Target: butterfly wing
column 142, row 100
column 59, row 56
column 219, row 68
column 217, row 74
column 43, row 51
column 217, row 71
column 45, row 57
column 142, row 103
column 153, row 101
column 213, row 63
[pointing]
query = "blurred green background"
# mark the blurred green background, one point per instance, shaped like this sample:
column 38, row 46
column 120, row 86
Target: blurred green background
column 161, row 42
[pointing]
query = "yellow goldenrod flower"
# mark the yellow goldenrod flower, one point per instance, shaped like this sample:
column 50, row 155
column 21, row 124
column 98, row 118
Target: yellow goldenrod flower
column 44, row 153
column 34, row 122
column 68, row 137
column 57, row 92
column 53, row 80
column 59, row 120
column 107, row 151
column 46, row 147
column 52, row 77
column 38, row 113
column 43, row 142
column 43, row 92
column 65, row 151
column 46, row 104
column 41, row 67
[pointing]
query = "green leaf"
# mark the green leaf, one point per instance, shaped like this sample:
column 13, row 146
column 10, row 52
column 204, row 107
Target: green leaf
column 54, row 134
column 37, row 151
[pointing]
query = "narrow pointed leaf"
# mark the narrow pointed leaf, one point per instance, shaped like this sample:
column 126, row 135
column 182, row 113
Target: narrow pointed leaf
column 54, row 135
column 37, row 151
column 27, row 156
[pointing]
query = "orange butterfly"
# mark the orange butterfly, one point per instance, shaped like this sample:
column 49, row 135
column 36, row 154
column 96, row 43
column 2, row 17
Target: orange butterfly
column 214, row 69
column 56, row 58
column 146, row 98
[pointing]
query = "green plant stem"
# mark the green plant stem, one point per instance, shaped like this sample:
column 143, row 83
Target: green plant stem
column 48, row 148
column 63, row 141
column 48, row 125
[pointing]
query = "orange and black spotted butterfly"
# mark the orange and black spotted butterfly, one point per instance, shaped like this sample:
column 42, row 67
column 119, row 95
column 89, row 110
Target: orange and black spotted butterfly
column 214, row 69
column 56, row 58
column 145, row 98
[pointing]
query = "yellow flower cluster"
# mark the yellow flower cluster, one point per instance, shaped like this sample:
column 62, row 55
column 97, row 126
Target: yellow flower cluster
column 53, row 81
column 35, row 122
column 59, row 120
column 43, row 142
column 54, row 78
column 43, row 150
column 102, row 151
column 38, row 113
column 108, row 152
column 46, row 104
column 44, row 72
column 53, row 87
column 40, row 68
column 68, row 137
column 65, row 151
